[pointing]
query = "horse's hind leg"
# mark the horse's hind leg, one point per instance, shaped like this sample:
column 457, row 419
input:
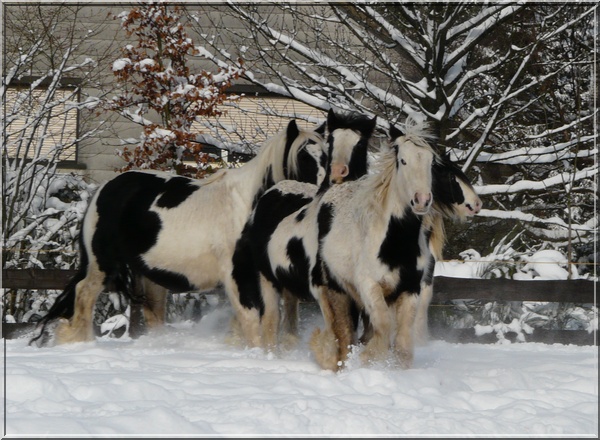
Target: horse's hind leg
column 270, row 318
column 405, row 308
column 289, row 324
column 80, row 327
column 155, row 304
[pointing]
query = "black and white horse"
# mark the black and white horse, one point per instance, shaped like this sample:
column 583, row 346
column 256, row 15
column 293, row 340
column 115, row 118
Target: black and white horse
column 259, row 282
column 372, row 250
column 454, row 198
column 174, row 232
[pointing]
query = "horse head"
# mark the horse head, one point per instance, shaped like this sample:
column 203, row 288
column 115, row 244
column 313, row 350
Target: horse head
column 305, row 155
column 454, row 195
column 348, row 137
column 413, row 162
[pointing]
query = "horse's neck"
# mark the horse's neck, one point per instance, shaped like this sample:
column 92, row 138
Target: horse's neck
column 379, row 201
column 251, row 180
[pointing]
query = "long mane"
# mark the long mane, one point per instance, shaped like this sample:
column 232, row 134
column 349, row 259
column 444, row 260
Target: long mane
column 271, row 155
column 305, row 137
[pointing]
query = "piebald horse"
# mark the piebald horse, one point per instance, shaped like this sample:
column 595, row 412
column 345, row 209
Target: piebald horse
column 373, row 251
column 297, row 255
column 454, row 198
column 260, row 278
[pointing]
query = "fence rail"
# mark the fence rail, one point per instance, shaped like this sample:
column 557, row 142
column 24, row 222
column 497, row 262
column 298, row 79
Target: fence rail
column 445, row 289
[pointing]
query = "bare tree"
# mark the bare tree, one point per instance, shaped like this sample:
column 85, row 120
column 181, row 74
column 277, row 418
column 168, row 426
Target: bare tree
column 50, row 63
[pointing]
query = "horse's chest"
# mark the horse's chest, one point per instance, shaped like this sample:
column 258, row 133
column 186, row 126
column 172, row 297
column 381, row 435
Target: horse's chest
column 401, row 245
column 401, row 256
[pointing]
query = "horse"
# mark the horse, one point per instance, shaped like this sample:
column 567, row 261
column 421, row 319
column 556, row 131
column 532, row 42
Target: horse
column 157, row 231
column 346, row 160
column 347, row 137
column 454, row 198
column 372, row 251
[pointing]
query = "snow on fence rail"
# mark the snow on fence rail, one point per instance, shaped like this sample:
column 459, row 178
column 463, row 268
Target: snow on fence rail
column 577, row 291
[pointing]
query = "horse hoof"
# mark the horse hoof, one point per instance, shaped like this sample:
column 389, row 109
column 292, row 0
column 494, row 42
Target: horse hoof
column 405, row 359
column 324, row 348
column 289, row 341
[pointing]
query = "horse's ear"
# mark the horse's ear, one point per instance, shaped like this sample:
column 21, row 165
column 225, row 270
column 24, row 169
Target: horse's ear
column 292, row 131
column 395, row 132
column 372, row 124
column 321, row 129
column 331, row 119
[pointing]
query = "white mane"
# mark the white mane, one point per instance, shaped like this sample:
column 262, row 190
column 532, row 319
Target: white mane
column 376, row 189
column 271, row 154
column 418, row 131
column 300, row 143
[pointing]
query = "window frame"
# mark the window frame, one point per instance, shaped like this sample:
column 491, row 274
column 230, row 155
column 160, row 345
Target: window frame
column 70, row 84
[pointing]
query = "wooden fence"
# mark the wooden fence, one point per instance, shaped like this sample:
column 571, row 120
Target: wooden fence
column 445, row 289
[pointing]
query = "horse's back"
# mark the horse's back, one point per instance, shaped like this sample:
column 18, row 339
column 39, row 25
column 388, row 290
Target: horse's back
column 121, row 224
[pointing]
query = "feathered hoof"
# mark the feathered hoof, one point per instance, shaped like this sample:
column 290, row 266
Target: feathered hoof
column 289, row 341
column 324, row 348
column 405, row 358
column 373, row 352
column 234, row 336
column 66, row 333
column 421, row 336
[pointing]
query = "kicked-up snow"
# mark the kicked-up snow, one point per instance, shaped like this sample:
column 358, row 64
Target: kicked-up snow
column 189, row 380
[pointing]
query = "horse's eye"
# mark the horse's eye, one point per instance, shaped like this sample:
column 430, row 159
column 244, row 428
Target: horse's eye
column 402, row 161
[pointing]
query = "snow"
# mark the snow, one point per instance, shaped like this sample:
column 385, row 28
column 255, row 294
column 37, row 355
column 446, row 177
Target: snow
column 120, row 64
column 189, row 380
column 546, row 264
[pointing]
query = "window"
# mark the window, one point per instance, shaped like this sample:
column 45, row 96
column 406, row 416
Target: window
column 257, row 116
column 41, row 123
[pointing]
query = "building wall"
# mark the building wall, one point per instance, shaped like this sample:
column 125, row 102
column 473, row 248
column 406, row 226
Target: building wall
column 99, row 36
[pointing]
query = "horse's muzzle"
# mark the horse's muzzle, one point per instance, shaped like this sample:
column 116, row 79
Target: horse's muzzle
column 421, row 203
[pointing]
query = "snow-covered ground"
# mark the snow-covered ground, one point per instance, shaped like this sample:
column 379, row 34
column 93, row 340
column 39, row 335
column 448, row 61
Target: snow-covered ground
column 189, row 381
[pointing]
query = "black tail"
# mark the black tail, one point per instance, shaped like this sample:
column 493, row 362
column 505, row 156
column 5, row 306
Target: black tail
column 64, row 305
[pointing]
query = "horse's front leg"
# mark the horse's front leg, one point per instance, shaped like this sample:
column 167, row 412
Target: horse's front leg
column 379, row 315
column 289, row 324
column 343, row 326
column 245, row 324
column 324, row 344
column 155, row 304
column 421, row 327
column 405, row 310
column 148, row 308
